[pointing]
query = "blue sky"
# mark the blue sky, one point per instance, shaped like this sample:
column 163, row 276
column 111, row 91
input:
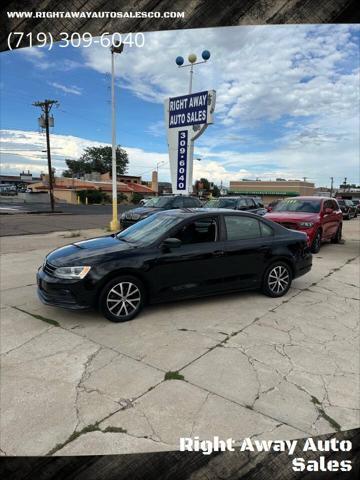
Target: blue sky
column 287, row 102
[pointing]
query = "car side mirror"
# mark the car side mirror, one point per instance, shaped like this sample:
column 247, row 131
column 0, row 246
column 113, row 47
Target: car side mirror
column 269, row 209
column 171, row 243
column 328, row 211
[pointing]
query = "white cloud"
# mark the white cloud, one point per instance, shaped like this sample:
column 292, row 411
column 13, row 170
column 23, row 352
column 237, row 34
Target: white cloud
column 305, row 75
column 23, row 150
column 72, row 89
column 258, row 72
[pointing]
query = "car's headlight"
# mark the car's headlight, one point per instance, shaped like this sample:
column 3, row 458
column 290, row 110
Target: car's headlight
column 122, row 216
column 71, row 272
column 306, row 224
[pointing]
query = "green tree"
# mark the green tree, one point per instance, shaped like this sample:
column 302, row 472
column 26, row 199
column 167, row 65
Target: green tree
column 97, row 159
column 216, row 191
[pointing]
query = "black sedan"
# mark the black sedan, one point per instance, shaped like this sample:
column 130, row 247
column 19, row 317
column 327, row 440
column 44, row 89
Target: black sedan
column 173, row 255
column 249, row 204
column 348, row 208
column 155, row 205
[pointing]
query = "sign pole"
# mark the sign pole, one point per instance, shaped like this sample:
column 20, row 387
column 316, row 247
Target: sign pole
column 191, row 78
column 114, row 224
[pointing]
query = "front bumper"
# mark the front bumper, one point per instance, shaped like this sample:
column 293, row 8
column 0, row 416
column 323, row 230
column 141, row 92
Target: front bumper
column 54, row 292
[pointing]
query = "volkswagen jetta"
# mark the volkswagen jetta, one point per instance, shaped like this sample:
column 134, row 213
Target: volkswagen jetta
column 171, row 255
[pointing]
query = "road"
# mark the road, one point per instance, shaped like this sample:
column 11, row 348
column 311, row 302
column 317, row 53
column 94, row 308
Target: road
column 24, row 219
column 234, row 365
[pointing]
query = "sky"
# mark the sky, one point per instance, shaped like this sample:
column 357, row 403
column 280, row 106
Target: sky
column 287, row 102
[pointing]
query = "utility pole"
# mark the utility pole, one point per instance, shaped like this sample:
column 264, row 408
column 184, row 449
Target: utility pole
column 332, row 186
column 46, row 107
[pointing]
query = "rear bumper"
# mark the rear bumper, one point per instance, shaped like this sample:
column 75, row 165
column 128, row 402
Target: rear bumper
column 303, row 266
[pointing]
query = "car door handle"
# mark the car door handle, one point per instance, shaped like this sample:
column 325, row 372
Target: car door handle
column 219, row 253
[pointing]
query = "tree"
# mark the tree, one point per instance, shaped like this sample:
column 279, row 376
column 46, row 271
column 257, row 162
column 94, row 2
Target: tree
column 216, row 191
column 97, row 159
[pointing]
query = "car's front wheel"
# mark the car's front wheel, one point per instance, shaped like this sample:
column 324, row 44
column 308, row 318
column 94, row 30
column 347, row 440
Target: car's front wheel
column 277, row 280
column 122, row 298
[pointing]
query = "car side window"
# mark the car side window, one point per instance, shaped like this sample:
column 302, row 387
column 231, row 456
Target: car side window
column 242, row 203
column 190, row 202
column 178, row 203
column 241, row 228
column 250, row 202
column 199, row 231
column 266, row 231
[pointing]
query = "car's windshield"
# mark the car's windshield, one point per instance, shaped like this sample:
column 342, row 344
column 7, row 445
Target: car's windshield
column 159, row 202
column 297, row 205
column 149, row 230
column 221, row 203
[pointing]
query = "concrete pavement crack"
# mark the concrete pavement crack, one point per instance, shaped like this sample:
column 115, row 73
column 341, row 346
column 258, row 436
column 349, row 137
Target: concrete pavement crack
column 27, row 341
column 79, row 384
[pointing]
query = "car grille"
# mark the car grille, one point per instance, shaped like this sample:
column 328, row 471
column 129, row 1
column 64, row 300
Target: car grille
column 49, row 269
column 289, row 225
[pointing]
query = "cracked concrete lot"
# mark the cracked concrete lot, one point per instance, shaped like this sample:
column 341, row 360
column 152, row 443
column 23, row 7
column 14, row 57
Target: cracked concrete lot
column 248, row 365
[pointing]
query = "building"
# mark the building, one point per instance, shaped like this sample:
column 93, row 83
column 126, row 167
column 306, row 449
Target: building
column 271, row 190
column 66, row 189
column 19, row 181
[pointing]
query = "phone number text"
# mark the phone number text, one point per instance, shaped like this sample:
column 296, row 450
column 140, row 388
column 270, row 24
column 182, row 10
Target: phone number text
column 46, row 40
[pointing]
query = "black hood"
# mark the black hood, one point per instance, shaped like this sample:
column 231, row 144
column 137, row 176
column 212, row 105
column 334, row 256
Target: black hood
column 142, row 212
column 85, row 252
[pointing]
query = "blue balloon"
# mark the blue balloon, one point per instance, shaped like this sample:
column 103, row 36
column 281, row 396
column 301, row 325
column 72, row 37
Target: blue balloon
column 179, row 61
column 205, row 54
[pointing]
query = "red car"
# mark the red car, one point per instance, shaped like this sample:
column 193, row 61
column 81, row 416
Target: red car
column 319, row 217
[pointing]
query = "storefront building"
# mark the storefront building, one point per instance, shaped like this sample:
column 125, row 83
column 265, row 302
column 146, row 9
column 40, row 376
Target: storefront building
column 269, row 191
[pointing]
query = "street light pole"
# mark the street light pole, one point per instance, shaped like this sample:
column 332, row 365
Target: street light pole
column 192, row 61
column 114, row 224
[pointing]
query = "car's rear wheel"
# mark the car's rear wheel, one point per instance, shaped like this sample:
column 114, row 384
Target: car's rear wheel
column 277, row 279
column 122, row 298
column 338, row 235
column 316, row 243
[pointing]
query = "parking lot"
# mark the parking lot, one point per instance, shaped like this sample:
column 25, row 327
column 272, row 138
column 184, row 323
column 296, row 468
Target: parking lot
column 235, row 365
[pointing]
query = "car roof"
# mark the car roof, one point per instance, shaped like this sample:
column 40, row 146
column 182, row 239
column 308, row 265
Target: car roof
column 305, row 197
column 234, row 197
column 184, row 212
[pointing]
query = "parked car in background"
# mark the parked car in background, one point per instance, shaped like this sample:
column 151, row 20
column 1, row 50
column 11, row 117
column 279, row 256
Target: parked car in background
column 272, row 205
column 145, row 201
column 319, row 217
column 157, row 204
column 348, row 208
column 356, row 203
column 172, row 255
column 249, row 204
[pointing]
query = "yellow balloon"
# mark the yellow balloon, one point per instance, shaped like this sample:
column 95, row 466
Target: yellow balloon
column 192, row 58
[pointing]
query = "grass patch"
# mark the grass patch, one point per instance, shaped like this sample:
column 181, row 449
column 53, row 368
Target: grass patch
column 39, row 317
column 173, row 376
column 115, row 430
column 89, row 428
column 72, row 235
column 324, row 415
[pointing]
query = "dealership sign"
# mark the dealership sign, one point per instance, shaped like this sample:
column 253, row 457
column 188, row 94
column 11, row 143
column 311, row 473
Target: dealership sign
column 186, row 118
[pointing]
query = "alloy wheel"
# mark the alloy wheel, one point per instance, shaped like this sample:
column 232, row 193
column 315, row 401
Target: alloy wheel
column 278, row 279
column 123, row 299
